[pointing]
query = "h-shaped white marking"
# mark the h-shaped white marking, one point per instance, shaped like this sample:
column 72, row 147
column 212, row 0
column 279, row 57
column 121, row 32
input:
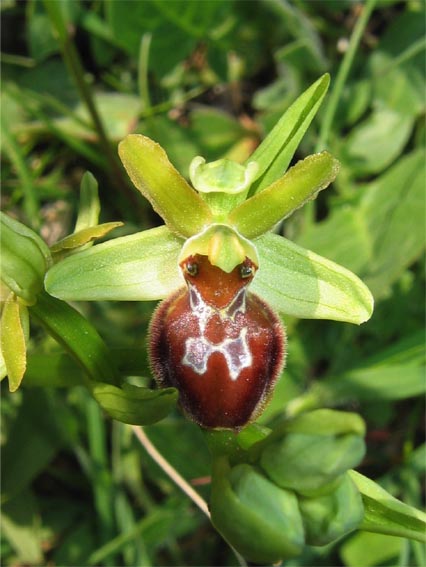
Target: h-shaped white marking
column 198, row 350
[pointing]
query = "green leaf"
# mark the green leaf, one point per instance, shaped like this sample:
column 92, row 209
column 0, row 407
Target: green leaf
column 13, row 338
column 313, row 450
column 394, row 208
column 342, row 237
column 24, row 258
column 138, row 267
column 395, row 382
column 134, row 405
column 298, row 282
column 259, row 519
column 387, row 515
column 83, row 236
column 55, row 370
column 77, row 336
column 39, row 430
column 89, row 206
column 376, row 143
column 277, row 149
column 300, row 184
column 369, row 549
column 20, row 527
column 155, row 177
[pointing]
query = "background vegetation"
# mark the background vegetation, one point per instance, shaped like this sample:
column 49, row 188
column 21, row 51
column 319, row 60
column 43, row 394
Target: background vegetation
column 211, row 78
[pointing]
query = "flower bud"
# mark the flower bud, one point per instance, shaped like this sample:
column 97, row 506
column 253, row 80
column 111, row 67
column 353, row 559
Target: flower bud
column 333, row 515
column 314, row 451
column 24, row 259
column 259, row 519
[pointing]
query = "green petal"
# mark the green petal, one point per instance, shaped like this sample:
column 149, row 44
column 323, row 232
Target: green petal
column 300, row 184
column 149, row 168
column 138, row 267
column 298, row 282
column 277, row 149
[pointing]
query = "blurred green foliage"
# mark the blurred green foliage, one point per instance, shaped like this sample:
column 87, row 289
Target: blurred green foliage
column 212, row 78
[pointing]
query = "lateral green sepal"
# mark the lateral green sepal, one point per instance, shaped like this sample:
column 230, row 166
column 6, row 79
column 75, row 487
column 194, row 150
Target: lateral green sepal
column 138, row 267
column 298, row 282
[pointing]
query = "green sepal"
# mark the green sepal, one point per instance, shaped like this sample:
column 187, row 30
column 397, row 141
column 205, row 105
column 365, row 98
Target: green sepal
column 224, row 246
column 24, row 259
column 276, row 151
column 84, row 236
column 308, row 454
column 14, row 333
column 260, row 520
column 298, row 282
column 135, row 405
column 149, row 168
column 138, row 267
column 301, row 183
column 79, row 338
column 329, row 517
column 384, row 514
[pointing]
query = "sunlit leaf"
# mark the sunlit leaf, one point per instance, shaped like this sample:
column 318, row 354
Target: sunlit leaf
column 277, row 149
column 387, row 515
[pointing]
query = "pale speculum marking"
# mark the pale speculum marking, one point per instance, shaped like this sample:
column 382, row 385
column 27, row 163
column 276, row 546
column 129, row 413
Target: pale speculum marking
column 199, row 349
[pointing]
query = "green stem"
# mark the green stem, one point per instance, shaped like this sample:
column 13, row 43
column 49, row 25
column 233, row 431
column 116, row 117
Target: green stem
column 143, row 71
column 342, row 74
column 72, row 59
column 77, row 336
column 100, row 474
column 14, row 153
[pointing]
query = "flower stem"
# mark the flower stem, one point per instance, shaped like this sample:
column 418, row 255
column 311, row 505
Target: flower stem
column 169, row 470
column 73, row 61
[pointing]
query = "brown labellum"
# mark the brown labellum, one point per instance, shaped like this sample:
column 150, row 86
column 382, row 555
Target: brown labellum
column 219, row 344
